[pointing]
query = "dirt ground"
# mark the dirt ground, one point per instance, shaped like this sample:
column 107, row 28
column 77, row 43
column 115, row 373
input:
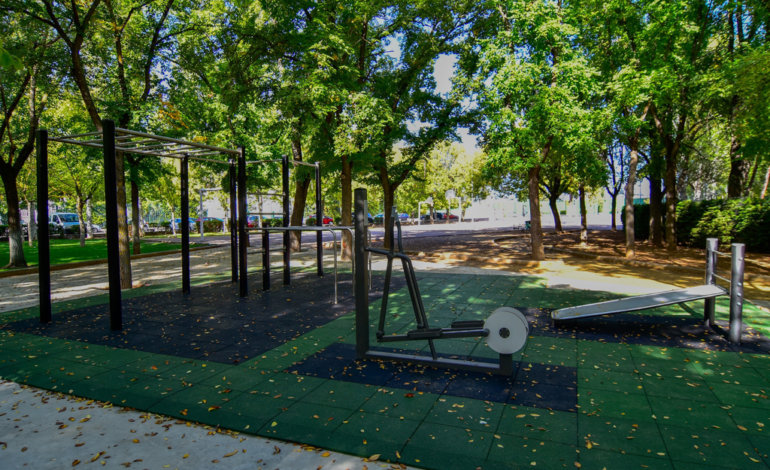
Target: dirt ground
column 605, row 253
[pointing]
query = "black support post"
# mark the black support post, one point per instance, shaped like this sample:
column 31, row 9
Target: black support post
column 242, row 215
column 43, row 242
column 111, row 212
column 265, row 260
column 184, row 177
column 286, row 235
column 319, row 217
column 233, row 226
column 361, row 275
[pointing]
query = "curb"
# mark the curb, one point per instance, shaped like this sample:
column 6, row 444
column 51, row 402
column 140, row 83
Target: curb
column 94, row 262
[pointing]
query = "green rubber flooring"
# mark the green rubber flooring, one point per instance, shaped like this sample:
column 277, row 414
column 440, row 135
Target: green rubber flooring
column 644, row 390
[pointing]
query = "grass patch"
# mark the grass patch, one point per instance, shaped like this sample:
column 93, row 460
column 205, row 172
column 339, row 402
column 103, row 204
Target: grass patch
column 70, row 251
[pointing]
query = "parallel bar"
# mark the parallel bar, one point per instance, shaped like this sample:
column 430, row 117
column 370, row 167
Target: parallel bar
column 286, row 235
column 111, row 210
column 738, row 266
column 361, row 274
column 43, row 237
column 233, row 227
column 242, row 215
column 259, row 162
column 185, row 224
column 319, row 221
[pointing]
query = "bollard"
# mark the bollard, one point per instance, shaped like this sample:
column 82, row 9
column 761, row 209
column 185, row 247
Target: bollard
column 736, row 292
column 709, row 304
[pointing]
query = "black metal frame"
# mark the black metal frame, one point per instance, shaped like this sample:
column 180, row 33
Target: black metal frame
column 112, row 140
column 285, row 161
column 461, row 329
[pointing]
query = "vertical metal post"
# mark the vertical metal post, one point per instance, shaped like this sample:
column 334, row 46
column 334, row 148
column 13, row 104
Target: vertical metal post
column 709, row 304
column 111, row 213
column 361, row 274
column 242, row 215
column 233, row 227
column 265, row 260
column 184, row 224
column 319, row 216
column 200, row 210
column 736, row 292
column 43, row 242
column 286, row 235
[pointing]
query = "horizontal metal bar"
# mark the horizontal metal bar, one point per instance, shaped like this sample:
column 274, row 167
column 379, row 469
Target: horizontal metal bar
column 257, row 162
column 179, row 157
column 726, row 279
column 302, row 228
column 75, row 142
column 75, row 136
column 178, row 141
column 299, row 162
column 722, row 253
column 439, row 362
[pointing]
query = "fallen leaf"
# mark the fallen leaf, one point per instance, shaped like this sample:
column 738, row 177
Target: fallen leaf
column 75, row 462
column 326, row 454
column 230, row 454
column 373, row 457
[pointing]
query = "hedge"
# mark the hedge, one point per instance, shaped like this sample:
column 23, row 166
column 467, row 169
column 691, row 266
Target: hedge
column 730, row 220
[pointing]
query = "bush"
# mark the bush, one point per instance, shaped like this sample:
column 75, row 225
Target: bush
column 310, row 222
column 275, row 222
column 212, row 225
column 641, row 221
column 729, row 220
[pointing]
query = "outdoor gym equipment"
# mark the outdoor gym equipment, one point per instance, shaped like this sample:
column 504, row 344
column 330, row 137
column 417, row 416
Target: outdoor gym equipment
column 111, row 140
column 708, row 291
column 286, row 228
column 506, row 330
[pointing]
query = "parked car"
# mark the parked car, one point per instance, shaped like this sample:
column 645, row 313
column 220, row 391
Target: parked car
column 379, row 218
column 403, row 217
column 191, row 222
column 63, row 223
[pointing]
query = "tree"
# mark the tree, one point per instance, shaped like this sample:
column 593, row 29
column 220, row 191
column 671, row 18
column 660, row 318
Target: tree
column 23, row 96
column 533, row 85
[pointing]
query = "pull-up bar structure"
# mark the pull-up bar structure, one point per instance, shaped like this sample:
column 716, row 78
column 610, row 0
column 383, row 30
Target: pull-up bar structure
column 111, row 140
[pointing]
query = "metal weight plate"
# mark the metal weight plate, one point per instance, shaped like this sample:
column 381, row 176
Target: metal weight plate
column 508, row 330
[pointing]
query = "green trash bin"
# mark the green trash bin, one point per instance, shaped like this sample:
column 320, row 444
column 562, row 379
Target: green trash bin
column 527, row 225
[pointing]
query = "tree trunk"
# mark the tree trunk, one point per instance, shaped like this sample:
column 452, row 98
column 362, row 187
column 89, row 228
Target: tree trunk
column 81, row 221
column 89, row 218
column 135, row 213
column 15, row 242
column 555, row 211
column 671, row 200
column 388, row 195
column 300, row 196
column 123, row 241
column 633, row 161
column 583, row 216
column 31, row 225
column 764, row 186
column 536, row 228
column 300, row 200
column 346, row 181
column 656, row 212
column 613, row 209
column 737, row 186
column 173, row 222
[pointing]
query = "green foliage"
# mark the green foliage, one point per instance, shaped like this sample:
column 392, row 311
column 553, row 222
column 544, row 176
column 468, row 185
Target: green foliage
column 729, row 220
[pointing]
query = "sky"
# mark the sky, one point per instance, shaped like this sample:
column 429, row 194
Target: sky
column 443, row 70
